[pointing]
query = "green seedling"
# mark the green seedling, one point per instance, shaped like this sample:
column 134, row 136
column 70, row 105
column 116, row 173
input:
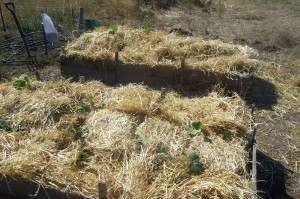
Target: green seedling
column 120, row 45
column 84, row 156
column 76, row 133
column 22, row 83
column 163, row 149
column 147, row 29
column 196, row 128
column 139, row 138
column 112, row 29
column 9, row 126
column 80, row 107
column 195, row 166
column 88, row 39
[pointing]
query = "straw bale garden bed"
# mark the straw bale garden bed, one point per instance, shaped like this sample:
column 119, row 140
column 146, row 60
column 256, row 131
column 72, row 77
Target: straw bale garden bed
column 144, row 142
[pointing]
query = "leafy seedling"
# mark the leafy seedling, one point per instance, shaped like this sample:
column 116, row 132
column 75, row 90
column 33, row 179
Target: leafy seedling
column 193, row 157
column 147, row 29
column 76, row 133
column 196, row 128
column 112, row 29
column 22, row 126
column 120, row 45
column 195, row 166
column 139, row 138
column 84, row 156
column 163, row 149
column 88, row 39
column 81, row 107
column 22, row 83
column 227, row 136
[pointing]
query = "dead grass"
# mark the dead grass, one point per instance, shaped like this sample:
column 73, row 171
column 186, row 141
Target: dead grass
column 158, row 48
column 134, row 138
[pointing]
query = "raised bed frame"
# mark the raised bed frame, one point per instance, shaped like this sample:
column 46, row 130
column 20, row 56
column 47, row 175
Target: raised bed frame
column 115, row 73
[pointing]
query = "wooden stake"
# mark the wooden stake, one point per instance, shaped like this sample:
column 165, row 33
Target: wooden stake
column 102, row 188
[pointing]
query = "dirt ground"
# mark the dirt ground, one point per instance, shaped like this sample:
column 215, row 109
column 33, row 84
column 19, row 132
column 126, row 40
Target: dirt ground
column 273, row 29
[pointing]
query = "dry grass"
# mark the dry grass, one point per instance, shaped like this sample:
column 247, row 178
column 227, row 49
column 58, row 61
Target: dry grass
column 151, row 165
column 158, row 48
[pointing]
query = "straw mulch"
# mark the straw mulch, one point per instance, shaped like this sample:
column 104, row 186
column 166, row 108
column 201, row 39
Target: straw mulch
column 133, row 137
column 158, row 48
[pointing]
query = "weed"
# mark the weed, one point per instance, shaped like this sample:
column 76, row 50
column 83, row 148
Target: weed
column 84, row 157
column 88, row 39
column 76, row 133
column 163, row 149
column 120, row 45
column 139, row 138
column 147, row 29
column 112, row 29
column 196, row 128
column 80, row 107
column 195, row 166
column 9, row 126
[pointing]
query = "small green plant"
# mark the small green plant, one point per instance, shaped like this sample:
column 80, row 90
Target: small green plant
column 163, row 149
column 196, row 128
column 139, row 138
column 80, row 107
column 9, row 126
column 84, row 156
column 227, row 135
column 88, row 38
column 112, row 29
column 195, row 166
column 76, row 133
column 120, row 45
column 22, row 83
column 147, row 29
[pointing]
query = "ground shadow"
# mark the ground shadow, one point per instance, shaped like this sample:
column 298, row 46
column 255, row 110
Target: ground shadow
column 263, row 94
column 271, row 178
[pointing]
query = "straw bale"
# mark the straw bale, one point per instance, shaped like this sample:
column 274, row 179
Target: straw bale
column 158, row 48
column 135, row 138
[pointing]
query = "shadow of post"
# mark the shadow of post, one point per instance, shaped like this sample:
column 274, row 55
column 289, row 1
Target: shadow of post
column 271, row 178
column 264, row 94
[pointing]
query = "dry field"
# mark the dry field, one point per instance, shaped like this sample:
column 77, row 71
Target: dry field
column 271, row 27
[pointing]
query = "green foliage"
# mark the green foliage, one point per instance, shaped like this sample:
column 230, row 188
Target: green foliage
column 84, row 157
column 227, row 135
column 88, row 39
column 22, row 83
column 195, row 166
column 76, row 133
column 139, row 138
column 196, row 128
column 9, row 126
column 112, row 29
column 80, row 107
column 90, row 24
column 193, row 157
column 163, row 149
column 120, row 45
column 147, row 29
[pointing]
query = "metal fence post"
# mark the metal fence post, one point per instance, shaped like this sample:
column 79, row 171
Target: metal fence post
column 81, row 12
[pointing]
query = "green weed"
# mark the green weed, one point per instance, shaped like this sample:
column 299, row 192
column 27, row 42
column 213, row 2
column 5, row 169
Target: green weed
column 196, row 128
column 76, row 133
column 84, row 157
column 22, row 83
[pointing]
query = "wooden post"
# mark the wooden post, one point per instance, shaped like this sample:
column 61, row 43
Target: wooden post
column 116, row 57
column 102, row 188
column 81, row 12
column 182, row 62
